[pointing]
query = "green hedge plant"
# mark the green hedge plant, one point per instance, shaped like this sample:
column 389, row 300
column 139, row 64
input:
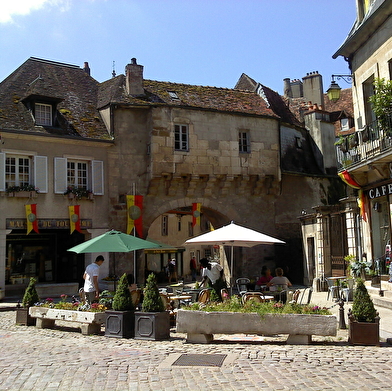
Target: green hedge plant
column 30, row 296
column 363, row 308
column 122, row 300
column 152, row 301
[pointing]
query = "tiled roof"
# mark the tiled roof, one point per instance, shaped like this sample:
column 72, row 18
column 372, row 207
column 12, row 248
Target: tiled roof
column 189, row 96
column 75, row 91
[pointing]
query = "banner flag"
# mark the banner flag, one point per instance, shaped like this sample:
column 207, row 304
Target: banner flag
column 31, row 217
column 74, row 218
column 196, row 208
column 135, row 218
column 348, row 179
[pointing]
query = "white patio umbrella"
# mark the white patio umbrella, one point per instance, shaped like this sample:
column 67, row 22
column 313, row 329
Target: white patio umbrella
column 233, row 235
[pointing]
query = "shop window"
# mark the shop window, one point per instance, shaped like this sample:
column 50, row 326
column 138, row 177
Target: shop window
column 23, row 170
column 85, row 174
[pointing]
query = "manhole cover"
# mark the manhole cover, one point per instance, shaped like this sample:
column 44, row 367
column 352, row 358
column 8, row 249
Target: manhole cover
column 206, row 360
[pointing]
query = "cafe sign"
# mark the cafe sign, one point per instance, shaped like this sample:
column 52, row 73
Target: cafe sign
column 47, row 223
column 380, row 191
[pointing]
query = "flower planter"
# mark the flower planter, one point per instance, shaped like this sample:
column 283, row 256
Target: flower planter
column 154, row 326
column 23, row 194
column 120, row 324
column 200, row 326
column 364, row 333
column 23, row 317
column 90, row 322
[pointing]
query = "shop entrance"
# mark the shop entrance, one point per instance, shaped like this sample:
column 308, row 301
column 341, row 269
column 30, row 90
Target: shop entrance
column 43, row 256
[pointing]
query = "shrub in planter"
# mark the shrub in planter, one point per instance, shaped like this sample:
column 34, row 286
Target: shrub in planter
column 364, row 320
column 153, row 322
column 120, row 321
column 30, row 297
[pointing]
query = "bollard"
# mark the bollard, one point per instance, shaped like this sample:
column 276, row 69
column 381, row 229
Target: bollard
column 342, row 323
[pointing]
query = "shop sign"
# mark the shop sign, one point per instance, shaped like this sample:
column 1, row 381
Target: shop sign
column 47, row 224
column 380, row 191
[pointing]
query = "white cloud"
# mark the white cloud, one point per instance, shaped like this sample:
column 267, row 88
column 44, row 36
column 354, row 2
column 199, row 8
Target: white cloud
column 9, row 9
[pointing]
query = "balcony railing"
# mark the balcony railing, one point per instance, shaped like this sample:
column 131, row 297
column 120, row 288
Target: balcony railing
column 373, row 140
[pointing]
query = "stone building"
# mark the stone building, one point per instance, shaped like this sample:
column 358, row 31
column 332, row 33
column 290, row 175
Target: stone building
column 52, row 141
column 368, row 51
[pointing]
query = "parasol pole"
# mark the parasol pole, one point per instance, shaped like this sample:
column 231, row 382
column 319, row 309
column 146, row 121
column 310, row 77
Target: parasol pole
column 231, row 271
column 134, row 234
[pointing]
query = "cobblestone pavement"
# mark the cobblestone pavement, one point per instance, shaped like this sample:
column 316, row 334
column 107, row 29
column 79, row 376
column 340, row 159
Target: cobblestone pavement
column 64, row 359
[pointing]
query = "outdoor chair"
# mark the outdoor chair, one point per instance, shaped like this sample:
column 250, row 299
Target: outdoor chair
column 259, row 297
column 169, row 307
column 241, row 285
column 136, row 296
column 306, row 299
column 295, row 296
column 347, row 292
column 204, row 296
column 82, row 295
column 333, row 289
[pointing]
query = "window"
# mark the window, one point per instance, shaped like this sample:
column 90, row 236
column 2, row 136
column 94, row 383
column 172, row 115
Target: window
column 165, row 223
column 344, row 124
column 86, row 174
column 243, row 140
column 43, row 114
column 173, row 95
column 368, row 91
column 23, row 170
column 190, row 228
column 181, row 137
column 17, row 171
column 77, row 174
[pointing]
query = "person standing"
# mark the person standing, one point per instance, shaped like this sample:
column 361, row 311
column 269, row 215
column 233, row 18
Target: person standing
column 90, row 276
column 213, row 272
column 193, row 266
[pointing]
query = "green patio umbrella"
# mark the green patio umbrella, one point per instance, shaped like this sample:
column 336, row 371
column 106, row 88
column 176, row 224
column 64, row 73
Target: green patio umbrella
column 114, row 242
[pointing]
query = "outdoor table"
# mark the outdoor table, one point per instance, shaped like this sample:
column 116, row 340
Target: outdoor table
column 337, row 281
column 178, row 298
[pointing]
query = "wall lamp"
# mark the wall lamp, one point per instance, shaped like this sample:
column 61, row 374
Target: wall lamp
column 334, row 89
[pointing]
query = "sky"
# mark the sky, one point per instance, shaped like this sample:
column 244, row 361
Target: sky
column 199, row 42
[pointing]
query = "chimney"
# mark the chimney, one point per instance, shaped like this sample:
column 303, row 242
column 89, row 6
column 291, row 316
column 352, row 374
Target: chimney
column 134, row 78
column 313, row 88
column 86, row 68
column 287, row 88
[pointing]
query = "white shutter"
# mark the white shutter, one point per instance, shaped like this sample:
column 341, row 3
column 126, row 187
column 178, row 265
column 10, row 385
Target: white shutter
column 41, row 173
column 2, row 171
column 60, row 175
column 97, row 177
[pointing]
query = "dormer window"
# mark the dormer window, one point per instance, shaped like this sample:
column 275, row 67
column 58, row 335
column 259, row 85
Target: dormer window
column 43, row 114
column 173, row 95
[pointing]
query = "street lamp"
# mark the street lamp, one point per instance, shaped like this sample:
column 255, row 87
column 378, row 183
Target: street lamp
column 334, row 89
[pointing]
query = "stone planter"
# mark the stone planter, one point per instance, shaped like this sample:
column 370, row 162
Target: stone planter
column 2, row 294
column 364, row 333
column 200, row 326
column 154, row 326
column 120, row 324
column 23, row 317
column 90, row 322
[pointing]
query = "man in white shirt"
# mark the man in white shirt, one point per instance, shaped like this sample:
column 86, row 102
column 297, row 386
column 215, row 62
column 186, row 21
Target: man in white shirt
column 91, row 288
column 213, row 272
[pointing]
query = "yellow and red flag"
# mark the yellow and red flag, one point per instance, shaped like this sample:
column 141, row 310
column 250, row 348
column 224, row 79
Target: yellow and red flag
column 31, row 217
column 349, row 180
column 362, row 204
column 74, row 218
column 135, row 208
column 196, row 212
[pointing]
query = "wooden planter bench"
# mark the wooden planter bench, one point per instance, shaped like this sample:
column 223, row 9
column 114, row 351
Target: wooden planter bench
column 89, row 322
column 201, row 326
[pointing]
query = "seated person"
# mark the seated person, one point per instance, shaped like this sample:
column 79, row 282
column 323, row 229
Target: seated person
column 279, row 280
column 265, row 277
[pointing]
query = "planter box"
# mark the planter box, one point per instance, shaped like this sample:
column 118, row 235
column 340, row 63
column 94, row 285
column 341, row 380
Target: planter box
column 200, row 326
column 364, row 333
column 23, row 317
column 90, row 322
column 120, row 324
column 23, row 194
column 154, row 326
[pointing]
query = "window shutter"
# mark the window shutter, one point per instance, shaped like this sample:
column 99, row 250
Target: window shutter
column 60, row 175
column 41, row 173
column 2, row 171
column 97, row 177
